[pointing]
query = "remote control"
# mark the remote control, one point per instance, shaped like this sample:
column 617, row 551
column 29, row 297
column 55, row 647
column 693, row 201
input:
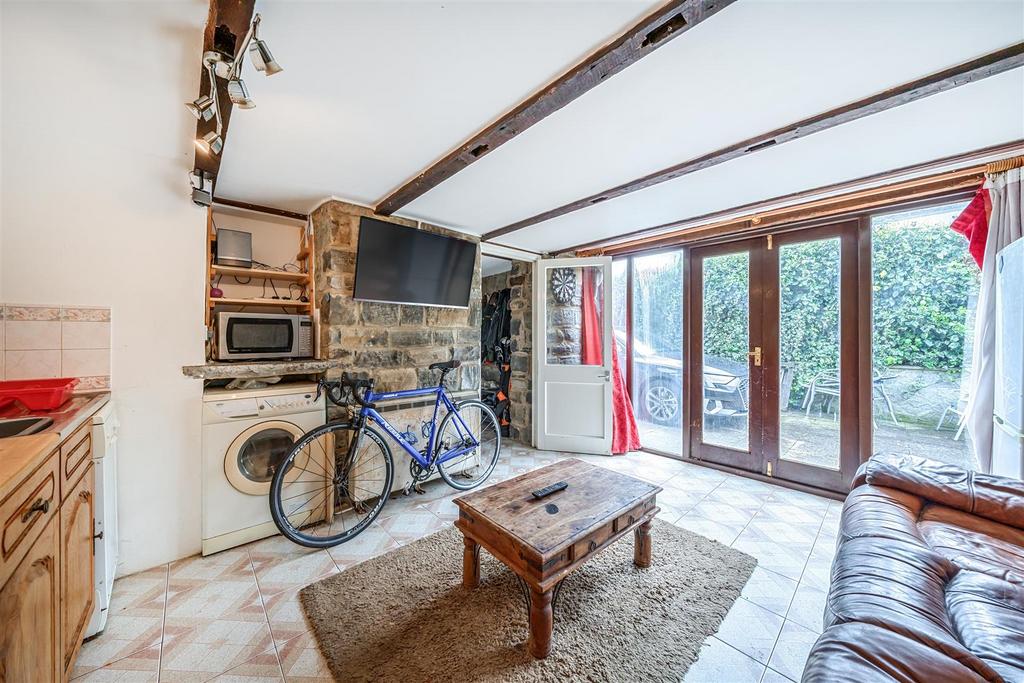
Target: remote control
column 548, row 490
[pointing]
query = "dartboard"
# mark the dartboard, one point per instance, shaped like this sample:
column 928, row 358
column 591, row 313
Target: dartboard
column 563, row 284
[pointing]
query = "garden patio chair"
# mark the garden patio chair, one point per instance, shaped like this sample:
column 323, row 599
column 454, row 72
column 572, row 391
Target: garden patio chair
column 957, row 409
column 826, row 384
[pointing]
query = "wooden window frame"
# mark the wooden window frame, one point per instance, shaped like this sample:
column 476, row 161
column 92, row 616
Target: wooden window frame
column 861, row 283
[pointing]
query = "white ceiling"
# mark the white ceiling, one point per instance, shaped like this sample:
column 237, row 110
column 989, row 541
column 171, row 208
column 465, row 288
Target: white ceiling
column 374, row 92
column 970, row 117
column 492, row 265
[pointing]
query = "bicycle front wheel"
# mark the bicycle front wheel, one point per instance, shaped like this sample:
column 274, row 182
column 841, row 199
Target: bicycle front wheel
column 324, row 493
column 472, row 420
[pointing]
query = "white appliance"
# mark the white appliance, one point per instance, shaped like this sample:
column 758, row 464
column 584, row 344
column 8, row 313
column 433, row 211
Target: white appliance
column 246, row 434
column 1008, row 407
column 105, row 426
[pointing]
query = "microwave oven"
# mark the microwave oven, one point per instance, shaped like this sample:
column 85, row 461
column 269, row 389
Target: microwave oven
column 247, row 336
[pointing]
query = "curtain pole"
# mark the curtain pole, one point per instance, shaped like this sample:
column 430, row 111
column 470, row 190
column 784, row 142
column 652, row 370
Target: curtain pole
column 1004, row 165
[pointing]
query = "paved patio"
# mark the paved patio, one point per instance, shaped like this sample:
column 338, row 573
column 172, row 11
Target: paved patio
column 815, row 439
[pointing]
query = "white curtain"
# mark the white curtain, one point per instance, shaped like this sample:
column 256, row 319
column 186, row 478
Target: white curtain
column 1004, row 227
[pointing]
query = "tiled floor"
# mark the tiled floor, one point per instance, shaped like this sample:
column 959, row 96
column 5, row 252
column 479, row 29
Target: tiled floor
column 235, row 616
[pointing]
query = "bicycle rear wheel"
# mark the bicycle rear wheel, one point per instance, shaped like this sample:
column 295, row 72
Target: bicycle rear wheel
column 323, row 493
column 470, row 469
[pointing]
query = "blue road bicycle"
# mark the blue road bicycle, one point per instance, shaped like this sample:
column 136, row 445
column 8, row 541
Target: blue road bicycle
column 337, row 478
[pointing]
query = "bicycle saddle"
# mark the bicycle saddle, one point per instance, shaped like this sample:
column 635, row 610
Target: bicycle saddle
column 446, row 365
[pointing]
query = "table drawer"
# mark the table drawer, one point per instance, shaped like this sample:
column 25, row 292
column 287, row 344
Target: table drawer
column 24, row 513
column 593, row 541
column 75, row 456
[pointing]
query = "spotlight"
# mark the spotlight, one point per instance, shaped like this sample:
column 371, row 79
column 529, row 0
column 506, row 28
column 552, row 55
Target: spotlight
column 239, row 94
column 262, row 59
column 211, row 143
column 202, row 108
column 260, row 53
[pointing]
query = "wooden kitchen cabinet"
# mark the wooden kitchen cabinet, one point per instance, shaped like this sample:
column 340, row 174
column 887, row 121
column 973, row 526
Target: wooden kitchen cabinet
column 76, row 565
column 47, row 554
column 29, row 613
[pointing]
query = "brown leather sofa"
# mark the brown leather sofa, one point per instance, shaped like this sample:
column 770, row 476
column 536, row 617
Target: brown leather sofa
column 928, row 579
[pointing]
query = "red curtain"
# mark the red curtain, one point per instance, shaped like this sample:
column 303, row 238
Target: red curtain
column 973, row 224
column 625, row 435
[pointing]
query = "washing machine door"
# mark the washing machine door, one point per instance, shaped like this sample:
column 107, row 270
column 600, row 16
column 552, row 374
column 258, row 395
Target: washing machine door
column 252, row 458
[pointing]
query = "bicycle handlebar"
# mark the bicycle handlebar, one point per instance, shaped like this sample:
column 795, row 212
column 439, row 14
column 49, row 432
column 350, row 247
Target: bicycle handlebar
column 335, row 390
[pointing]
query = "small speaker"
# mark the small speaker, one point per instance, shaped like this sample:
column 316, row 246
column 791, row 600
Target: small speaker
column 234, row 248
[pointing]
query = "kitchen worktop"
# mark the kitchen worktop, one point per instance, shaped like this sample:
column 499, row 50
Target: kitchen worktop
column 255, row 369
column 66, row 418
column 21, row 454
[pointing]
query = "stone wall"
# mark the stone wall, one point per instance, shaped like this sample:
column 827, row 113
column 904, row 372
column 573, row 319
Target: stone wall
column 564, row 323
column 494, row 283
column 393, row 343
column 521, row 329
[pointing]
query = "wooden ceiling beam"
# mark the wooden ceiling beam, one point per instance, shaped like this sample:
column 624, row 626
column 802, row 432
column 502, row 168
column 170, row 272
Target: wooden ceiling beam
column 968, row 72
column 259, row 208
column 639, row 40
column 226, row 25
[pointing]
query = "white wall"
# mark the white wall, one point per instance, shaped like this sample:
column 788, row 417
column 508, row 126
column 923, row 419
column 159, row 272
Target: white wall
column 95, row 210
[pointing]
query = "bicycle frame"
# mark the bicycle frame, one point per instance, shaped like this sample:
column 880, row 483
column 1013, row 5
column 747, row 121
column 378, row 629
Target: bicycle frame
column 442, row 398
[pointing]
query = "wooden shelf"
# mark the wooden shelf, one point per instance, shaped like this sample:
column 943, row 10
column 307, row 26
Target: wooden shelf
column 260, row 273
column 260, row 302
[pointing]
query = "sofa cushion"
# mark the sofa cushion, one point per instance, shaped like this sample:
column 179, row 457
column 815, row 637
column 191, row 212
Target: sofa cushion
column 856, row 653
column 881, row 513
column 928, row 579
column 1000, row 499
column 975, row 543
column 987, row 614
column 900, row 587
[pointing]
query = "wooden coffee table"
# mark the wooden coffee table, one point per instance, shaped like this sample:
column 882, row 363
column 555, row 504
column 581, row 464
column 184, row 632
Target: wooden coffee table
column 542, row 541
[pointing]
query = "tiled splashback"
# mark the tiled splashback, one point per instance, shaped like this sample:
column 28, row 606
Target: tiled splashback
column 56, row 341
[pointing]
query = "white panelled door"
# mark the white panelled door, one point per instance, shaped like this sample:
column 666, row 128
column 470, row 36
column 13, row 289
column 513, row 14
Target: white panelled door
column 573, row 345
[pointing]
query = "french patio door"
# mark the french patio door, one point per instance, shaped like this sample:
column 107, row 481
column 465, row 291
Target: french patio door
column 773, row 355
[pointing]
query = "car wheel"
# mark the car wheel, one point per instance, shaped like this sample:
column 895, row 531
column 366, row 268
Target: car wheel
column 662, row 404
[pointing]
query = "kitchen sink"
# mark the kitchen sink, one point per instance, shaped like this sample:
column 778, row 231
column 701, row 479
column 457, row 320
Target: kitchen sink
column 22, row 426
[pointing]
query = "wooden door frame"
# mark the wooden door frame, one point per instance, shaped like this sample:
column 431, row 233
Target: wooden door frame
column 751, row 459
column 764, row 415
column 850, row 395
column 862, row 287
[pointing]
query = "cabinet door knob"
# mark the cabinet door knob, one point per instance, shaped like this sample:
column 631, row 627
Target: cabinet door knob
column 41, row 505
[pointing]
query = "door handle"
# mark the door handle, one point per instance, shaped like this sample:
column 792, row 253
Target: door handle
column 756, row 353
column 606, row 375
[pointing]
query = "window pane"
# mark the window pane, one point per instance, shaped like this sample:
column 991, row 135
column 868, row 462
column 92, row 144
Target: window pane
column 809, row 352
column 619, row 269
column 924, row 289
column 573, row 315
column 658, row 350
column 726, row 341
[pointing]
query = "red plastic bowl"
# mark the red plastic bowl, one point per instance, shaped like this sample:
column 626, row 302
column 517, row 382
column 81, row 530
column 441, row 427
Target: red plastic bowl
column 39, row 394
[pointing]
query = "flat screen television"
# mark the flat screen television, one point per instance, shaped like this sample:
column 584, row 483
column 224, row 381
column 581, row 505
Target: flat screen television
column 405, row 265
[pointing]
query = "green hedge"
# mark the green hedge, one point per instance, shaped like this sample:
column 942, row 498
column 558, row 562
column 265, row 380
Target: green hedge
column 923, row 279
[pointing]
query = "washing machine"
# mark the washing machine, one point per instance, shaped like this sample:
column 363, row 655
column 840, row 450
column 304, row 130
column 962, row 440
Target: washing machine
column 246, row 434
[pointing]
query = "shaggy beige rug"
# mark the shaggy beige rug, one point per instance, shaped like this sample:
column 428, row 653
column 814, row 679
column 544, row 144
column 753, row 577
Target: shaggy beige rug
column 404, row 616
